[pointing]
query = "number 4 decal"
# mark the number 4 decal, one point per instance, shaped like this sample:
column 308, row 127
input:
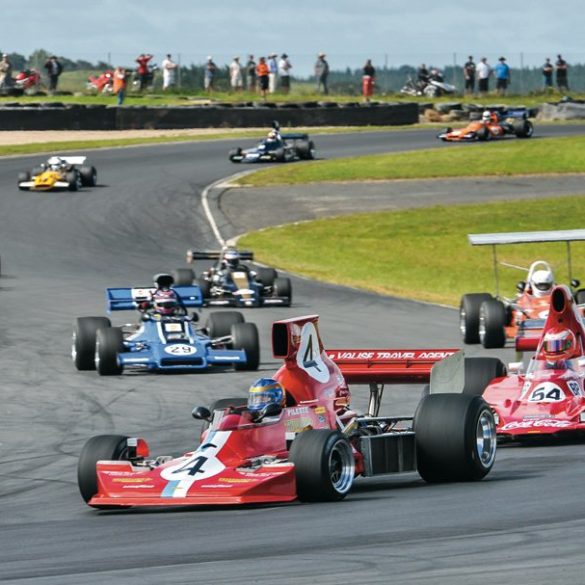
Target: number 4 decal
column 309, row 354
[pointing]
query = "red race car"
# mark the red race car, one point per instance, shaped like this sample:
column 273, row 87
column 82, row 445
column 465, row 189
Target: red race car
column 548, row 397
column 310, row 447
column 493, row 124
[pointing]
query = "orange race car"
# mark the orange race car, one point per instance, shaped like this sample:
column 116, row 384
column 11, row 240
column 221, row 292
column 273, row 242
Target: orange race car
column 493, row 124
column 491, row 320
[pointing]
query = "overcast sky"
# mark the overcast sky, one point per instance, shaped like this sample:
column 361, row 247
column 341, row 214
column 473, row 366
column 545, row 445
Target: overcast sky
column 349, row 31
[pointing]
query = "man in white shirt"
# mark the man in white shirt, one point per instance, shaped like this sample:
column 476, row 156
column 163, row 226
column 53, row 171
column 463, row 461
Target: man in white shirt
column 483, row 71
column 169, row 68
column 284, row 68
column 236, row 78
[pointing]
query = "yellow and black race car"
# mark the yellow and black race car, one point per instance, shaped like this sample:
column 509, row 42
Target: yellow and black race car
column 59, row 172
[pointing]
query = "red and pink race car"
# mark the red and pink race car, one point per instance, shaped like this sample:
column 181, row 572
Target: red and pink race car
column 548, row 396
column 313, row 446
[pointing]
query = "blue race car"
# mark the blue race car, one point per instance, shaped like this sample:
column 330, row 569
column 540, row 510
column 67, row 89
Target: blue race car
column 166, row 338
column 276, row 147
column 230, row 283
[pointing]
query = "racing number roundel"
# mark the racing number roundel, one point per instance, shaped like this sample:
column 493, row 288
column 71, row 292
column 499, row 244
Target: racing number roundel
column 309, row 355
column 547, row 392
column 180, row 349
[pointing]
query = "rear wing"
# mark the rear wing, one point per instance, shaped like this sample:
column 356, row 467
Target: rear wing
column 192, row 255
column 295, row 136
column 73, row 160
column 388, row 366
column 521, row 113
column 508, row 238
column 127, row 299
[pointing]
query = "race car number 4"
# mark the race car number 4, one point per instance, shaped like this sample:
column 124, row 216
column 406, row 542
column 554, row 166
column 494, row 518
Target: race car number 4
column 181, row 349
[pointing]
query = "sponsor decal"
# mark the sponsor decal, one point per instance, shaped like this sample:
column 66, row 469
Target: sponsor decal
column 574, row 387
column 391, row 355
column 547, row 392
column 296, row 425
column 131, row 479
column 235, row 480
column 299, row 410
column 529, row 424
column 180, row 349
column 320, row 410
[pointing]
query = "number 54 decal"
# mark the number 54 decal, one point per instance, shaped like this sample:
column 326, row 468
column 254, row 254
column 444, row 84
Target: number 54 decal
column 547, row 392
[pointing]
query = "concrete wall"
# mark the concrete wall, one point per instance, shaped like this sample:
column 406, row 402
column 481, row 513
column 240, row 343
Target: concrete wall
column 76, row 117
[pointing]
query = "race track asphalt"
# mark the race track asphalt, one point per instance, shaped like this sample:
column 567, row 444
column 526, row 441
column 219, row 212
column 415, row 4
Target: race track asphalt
column 525, row 523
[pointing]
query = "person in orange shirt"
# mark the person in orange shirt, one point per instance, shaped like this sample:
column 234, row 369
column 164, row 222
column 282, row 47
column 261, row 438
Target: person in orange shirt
column 120, row 84
column 262, row 72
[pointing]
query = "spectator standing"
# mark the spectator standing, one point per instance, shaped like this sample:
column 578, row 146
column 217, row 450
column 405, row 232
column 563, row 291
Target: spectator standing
column 483, row 76
column 368, row 80
column 5, row 72
column 119, row 87
column 142, row 70
column 236, row 80
column 169, row 68
column 54, row 69
column 251, row 73
column 503, row 79
column 272, row 73
column 547, row 74
column 422, row 74
column 284, row 67
column 562, row 74
column 262, row 72
column 469, row 75
column 322, row 73
column 210, row 72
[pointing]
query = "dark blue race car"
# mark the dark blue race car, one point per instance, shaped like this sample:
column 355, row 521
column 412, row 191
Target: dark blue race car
column 165, row 339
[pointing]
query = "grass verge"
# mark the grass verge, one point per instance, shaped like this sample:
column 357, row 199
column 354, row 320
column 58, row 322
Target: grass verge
column 515, row 157
column 423, row 254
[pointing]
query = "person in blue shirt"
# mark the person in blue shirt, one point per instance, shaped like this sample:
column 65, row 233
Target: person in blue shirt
column 502, row 72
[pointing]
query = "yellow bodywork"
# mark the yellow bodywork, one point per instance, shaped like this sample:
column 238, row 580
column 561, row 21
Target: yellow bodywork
column 47, row 180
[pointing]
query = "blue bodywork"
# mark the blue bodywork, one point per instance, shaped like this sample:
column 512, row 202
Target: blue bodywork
column 255, row 294
column 169, row 343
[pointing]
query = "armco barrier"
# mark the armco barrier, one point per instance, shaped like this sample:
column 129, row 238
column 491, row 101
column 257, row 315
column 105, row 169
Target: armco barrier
column 58, row 116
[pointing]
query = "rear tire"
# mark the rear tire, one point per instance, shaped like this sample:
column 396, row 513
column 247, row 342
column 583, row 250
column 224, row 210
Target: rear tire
column 469, row 316
column 266, row 276
column 205, row 287
column 479, row 372
column 455, row 438
column 523, row 128
column 109, row 343
column 88, row 176
column 73, row 179
column 184, row 276
column 324, row 465
column 83, row 343
column 245, row 336
column 580, row 297
column 305, row 149
column 220, row 324
column 100, row 448
column 492, row 321
column 283, row 288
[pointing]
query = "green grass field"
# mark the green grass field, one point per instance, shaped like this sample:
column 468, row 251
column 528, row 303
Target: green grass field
column 422, row 254
column 513, row 157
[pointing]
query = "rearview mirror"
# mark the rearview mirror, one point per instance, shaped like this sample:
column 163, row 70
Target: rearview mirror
column 520, row 286
column 201, row 413
column 575, row 283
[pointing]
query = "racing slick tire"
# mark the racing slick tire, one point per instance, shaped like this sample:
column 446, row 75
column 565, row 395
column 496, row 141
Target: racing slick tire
column 245, row 336
column 205, row 287
column 220, row 324
column 523, row 128
column 483, row 134
column 283, row 288
column 492, row 322
column 88, row 176
column 469, row 316
column 73, row 179
column 266, row 276
column 279, row 155
column 83, row 343
column 479, row 372
column 99, row 448
column 305, row 149
column 455, row 438
column 234, row 155
column 109, row 342
column 36, row 171
column 580, row 297
column 324, row 465
column 183, row 276
column 23, row 177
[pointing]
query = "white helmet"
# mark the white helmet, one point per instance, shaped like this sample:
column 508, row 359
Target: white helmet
column 486, row 116
column 541, row 282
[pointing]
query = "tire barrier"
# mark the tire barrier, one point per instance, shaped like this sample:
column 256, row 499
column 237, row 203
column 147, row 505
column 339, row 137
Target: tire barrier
column 59, row 116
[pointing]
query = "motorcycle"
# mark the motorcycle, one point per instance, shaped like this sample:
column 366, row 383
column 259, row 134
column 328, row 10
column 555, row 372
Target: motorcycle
column 28, row 80
column 434, row 86
column 103, row 83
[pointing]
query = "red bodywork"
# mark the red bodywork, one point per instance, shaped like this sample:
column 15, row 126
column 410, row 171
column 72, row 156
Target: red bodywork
column 526, row 306
column 103, row 83
column 241, row 461
column 477, row 130
column 28, row 79
column 549, row 397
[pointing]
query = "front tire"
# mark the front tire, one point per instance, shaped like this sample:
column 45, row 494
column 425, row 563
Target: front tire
column 479, row 372
column 492, row 323
column 455, row 438
column 324, row 465
column 88, row 176
column 469, row 316
column 245, row 336
column 220, row 324
column 183, row 276
column 109, row 343
column 100, row 448
column 73, row 179
column 283, row 288
column 83, row 343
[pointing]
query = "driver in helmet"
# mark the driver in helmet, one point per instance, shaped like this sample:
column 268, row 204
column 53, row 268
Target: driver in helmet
column 489, row 117
column 55, row 163
column 273, row 139
column 262, row 393
column 230, row 262
column 165, row 302
column 558, row 347
column 541, row 283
